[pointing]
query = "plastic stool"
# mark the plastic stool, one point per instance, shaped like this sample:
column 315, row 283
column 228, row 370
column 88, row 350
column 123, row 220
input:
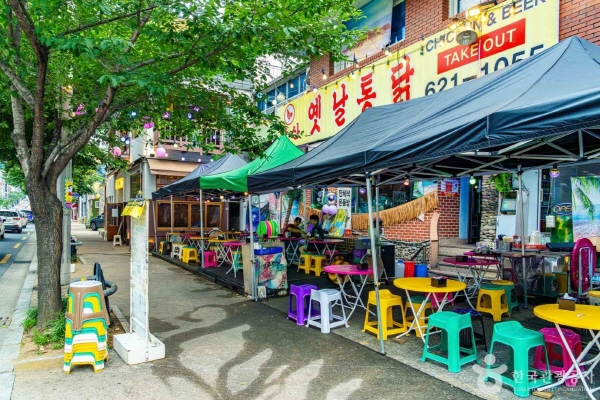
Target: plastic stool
column 552, row 338
column 386, row 301
column 327, row 298
column 511, row 293
column 117, row 240
column 304, row 262
column 416, row 301
column 302, row 294
column 316, row 263
column 480, row 338
column 436, row 299
column 331, row 254
column 451, row 325
column 492, row 300
column 520, row 340
column 188, row 254
column 238, row 262
column 210, row 259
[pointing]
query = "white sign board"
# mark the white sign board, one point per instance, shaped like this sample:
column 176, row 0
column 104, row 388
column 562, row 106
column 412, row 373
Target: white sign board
column 344, row 202
column 139, row 345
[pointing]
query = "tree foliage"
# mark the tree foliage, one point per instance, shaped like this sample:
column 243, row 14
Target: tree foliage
column 74, row 70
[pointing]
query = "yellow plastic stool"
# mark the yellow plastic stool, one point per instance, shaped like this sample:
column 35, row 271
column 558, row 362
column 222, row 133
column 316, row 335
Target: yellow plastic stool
column 188, row 254
column 316, row 264
column 416, row 301
column 389, row 327
column 304, row 262
column 492, row 300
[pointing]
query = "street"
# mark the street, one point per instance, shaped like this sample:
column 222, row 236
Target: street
column 14, row 263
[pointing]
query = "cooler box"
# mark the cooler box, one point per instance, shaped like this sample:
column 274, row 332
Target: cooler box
column 268, row 250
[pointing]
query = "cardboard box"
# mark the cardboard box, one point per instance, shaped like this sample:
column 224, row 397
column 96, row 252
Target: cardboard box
column 439, row 282
column 564, row 304
column 462, row 258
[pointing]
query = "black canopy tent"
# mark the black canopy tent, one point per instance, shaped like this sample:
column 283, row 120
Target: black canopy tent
column 536, row 113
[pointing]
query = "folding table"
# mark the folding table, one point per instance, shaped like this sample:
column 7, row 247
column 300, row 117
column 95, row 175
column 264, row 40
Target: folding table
column 584, row 317
column 350, row 270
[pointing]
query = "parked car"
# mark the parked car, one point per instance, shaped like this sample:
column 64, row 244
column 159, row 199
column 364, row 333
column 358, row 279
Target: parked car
column 97, row 222
column 1, row 228
column 13, row 221
column 28, row 214
column 23, row 219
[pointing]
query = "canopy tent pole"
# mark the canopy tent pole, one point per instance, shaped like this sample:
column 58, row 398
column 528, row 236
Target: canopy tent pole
column 201, row 230
column 172, row 215
column 151, row 204
column 522, row 234
column 305, row 210
column 252, row 244
column 377, row 230
column 374, row 257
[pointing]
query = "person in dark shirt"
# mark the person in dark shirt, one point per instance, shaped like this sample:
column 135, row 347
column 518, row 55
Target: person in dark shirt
column 294, row 229
column 317, row 232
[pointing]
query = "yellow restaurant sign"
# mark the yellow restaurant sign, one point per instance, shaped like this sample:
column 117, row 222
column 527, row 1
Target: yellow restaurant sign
column 437, row 63
column 119, row 183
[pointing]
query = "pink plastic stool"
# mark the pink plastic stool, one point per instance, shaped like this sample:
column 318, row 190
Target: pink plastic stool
column 436, row 299
column 302, row 293
column 210, row 259
column 331, row 253
column 552, row 339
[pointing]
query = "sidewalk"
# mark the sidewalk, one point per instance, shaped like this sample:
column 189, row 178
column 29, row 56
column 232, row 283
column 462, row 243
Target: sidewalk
column 219, row 345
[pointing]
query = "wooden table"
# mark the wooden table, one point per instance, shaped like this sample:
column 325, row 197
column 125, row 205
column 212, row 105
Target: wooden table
column 423, row 285
column 584, row 317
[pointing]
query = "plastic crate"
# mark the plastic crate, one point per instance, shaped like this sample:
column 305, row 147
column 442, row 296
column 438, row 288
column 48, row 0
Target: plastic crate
column 268, row 250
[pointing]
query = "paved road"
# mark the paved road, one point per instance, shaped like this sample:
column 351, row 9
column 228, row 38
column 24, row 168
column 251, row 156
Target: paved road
column 11, row 245
column 16, row 252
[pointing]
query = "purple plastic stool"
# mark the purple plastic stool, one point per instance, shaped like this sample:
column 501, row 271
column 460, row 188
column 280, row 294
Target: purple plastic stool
column 302, row 293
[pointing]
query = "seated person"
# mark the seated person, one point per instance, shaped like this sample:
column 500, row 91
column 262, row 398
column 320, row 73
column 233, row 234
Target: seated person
column 294, row 229
column 317, row 232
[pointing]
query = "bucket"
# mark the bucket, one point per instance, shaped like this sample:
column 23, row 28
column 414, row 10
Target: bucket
column 421, row 271
column 561, row 278
column 409, row 269
column 594, row 297
column 399, row 271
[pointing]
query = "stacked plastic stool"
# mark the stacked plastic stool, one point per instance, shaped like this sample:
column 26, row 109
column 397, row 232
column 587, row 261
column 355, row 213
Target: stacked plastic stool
column 304, row 262
column 520, row 340
column 553, row 342
column 86, row 326
column 465, row 337
column 298, row 308
column 492, row 300
column 327, row 298
column 388, row 326
column 451, row 325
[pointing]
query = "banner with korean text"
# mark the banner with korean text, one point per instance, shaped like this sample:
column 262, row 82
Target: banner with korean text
column 436, row 63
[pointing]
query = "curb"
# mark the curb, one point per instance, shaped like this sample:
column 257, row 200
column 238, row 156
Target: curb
column 9, row 353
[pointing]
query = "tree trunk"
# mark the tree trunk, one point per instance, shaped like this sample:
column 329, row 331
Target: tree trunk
column 48, row 225
column 288, row 212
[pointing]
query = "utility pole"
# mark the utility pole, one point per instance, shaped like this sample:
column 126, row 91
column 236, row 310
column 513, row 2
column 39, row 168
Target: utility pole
column 61, row 189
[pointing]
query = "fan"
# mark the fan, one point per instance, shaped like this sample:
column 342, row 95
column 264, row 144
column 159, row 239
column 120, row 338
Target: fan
column 380, row 269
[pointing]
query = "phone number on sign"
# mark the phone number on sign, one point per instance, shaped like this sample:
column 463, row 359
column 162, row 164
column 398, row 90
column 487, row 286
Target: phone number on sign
column 444, row 83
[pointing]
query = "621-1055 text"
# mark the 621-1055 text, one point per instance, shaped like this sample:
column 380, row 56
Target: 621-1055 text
column 504, row 61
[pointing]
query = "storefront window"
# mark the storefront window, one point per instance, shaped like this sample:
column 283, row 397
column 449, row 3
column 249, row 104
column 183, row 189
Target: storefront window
column 195, row 215
column 163, row 215
column 181, row 215
column 163, row 180
column 135, row 185
column 213, row 215
column 392, row 195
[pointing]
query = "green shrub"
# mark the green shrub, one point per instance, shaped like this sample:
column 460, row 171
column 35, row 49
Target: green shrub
column 53, row 333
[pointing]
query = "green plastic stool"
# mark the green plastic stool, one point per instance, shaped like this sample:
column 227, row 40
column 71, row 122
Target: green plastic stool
column 451, row 324
column 520, row 340
column 509, row 289
column 237, row 262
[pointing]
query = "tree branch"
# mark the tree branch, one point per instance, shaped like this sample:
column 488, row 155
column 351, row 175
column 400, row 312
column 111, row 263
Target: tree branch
column 18, row 134
column 155, row 60
column 18, row 85
column 106, row 21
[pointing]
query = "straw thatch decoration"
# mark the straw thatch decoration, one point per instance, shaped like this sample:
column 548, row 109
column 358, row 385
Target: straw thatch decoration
column 401, row 213
column 391, row 216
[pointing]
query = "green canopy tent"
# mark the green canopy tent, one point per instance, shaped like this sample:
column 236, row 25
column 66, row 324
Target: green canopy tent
column 236, row 180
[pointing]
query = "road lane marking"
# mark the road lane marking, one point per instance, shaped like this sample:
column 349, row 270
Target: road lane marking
column 17, row 245
column 5, row 259
column 29, row 233
column 24, row 237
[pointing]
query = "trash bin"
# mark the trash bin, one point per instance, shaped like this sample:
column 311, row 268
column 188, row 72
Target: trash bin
column 74, row 245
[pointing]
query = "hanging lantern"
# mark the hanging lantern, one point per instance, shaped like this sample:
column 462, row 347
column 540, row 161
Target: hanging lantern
column 116, row 151
column 161, row 152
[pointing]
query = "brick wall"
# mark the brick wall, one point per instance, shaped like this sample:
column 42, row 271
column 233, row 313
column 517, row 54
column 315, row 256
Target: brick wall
column 581, row 18
column 425, row 17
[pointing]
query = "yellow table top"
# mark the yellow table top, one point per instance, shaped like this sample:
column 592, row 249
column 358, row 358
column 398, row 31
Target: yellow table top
column 220, row 240
column 423, row 285
column 584, row 316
